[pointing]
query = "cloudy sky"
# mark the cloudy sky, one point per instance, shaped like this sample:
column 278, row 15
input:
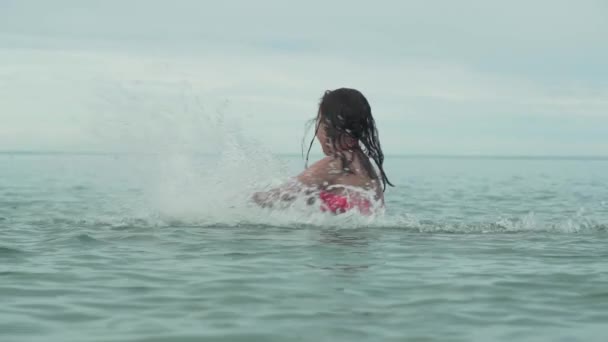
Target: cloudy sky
column 443, row 77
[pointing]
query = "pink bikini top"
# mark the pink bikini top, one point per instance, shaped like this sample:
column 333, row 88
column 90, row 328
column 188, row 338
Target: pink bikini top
column 338, row 204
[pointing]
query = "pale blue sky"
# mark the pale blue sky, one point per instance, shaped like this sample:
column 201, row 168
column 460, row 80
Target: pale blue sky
column 443, row 77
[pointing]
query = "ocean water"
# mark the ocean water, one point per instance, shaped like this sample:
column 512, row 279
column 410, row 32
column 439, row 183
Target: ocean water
column 123, row 247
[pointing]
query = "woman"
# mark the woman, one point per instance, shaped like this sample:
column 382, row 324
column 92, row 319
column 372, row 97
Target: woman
column 345, row 179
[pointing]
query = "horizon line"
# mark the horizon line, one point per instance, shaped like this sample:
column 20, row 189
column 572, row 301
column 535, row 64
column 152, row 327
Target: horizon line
column 391, row 155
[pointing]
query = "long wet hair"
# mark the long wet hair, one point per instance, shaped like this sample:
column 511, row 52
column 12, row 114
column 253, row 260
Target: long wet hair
column 348, row 118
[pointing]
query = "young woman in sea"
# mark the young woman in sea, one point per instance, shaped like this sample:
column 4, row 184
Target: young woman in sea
column 345, row 179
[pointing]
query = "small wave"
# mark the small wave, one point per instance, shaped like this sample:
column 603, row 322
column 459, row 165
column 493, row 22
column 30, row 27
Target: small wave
column 498, row 228
column 82, row 238
column 86, row 238
column 294, row 218
column 9, row 252
column 524, row 224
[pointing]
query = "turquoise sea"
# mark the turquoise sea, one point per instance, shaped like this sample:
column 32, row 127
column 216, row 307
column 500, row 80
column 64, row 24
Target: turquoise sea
column 125, row 247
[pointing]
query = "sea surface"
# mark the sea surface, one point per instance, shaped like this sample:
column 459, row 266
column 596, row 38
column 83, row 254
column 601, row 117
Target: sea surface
column 126, row 247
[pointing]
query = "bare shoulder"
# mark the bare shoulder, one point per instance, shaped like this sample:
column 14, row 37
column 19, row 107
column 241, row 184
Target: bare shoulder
column 321, row 172
column 328, row 163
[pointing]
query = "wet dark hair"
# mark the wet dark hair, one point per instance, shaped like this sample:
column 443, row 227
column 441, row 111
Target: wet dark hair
column 347, row 115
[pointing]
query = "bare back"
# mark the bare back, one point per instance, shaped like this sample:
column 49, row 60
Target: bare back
column 330, row 174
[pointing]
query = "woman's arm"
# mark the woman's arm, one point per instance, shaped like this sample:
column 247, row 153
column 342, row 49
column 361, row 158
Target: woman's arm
column 285, row 193
column 317, row 176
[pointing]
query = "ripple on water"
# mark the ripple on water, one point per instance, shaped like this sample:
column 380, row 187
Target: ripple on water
column 10, row 252
column 87, row 239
